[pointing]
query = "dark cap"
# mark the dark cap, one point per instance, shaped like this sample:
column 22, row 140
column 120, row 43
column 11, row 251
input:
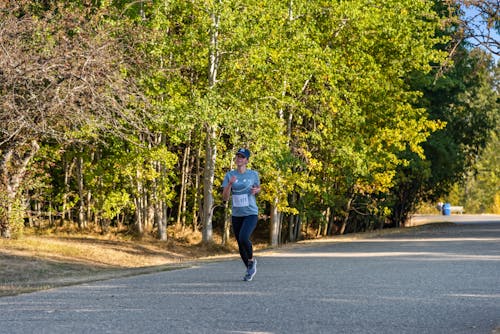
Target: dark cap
column 244, row 152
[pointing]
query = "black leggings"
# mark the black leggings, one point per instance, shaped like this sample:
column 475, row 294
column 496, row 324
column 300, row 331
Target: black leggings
column 243, row 228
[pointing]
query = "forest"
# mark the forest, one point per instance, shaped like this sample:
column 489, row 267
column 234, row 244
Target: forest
column 125, row 115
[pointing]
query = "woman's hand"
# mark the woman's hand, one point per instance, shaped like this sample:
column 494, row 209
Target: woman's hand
column 255, row 190
column 227, row 189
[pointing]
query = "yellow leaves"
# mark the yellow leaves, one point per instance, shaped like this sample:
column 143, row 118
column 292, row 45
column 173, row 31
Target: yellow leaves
column 114, row 202
column 379, row 182
column 496, row 204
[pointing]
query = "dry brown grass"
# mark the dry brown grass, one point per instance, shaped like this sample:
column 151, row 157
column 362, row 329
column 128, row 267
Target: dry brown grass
column 58, row 258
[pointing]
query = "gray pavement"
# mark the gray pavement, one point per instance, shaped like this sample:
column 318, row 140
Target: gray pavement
column 437, row 279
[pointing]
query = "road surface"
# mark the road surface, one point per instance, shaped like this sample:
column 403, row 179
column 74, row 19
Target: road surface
column 434, row 279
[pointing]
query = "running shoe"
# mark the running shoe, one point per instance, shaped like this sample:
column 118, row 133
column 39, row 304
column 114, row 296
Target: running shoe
column 252, row 270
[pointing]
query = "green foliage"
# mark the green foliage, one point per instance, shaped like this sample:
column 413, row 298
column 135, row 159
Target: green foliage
column 479, row 192
column 114, row 203
column 343, row 105
column 465, row 100
column 12, row 213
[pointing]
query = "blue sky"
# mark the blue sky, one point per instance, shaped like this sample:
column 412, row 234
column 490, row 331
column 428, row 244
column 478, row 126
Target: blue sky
column 472, row 13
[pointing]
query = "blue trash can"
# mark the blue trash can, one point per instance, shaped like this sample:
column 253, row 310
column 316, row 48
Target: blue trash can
column 446, row 209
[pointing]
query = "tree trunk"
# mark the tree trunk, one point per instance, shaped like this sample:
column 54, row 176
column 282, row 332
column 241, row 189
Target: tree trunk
column 227, row 224
column 292, row 219
column 151, row 212
column 320, row 228
column 298, row 228
column 161, row 221
column 68, row 173
column 138, row 201
column 346, row 216
column 326, row 215
column 275, row 227
column 181, row 212
column 13, row 169
column 208, row 183
column 138, row 216
column 210, row 141
column 88, row 206
column 331, row 221
column 197, row 192
column 81, row 208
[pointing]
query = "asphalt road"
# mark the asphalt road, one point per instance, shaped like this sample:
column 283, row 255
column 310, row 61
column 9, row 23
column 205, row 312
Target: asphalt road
column 440, row 279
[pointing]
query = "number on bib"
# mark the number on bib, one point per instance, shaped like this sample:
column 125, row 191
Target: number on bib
column 240, row 200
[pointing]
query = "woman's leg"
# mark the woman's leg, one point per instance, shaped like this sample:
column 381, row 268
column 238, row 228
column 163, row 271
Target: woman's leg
column 237, row 225
column 247, row 227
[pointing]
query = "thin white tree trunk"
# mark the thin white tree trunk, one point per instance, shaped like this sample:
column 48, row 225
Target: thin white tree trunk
column 81, row 206
column 274, row 230
column 139, row 212
column 346, row 216
column 160, row 221
column 181, row 212
column 208, row 183
column 210, row 141
column 227, row 224
column 68, row 173
column 197, row 195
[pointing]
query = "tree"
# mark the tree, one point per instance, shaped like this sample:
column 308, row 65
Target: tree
column 479, row 191
column 355, row 111
column 60, row 74
column 319, row 91
column 211, row 82
column 465, row 100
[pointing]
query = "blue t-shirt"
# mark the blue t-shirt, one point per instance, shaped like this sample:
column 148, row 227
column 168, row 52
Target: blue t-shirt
column 243, row 202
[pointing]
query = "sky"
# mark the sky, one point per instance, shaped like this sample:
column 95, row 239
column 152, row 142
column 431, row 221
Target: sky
column 471, row 13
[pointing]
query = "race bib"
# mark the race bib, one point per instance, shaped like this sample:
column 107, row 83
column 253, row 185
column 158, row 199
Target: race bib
column 240, row 200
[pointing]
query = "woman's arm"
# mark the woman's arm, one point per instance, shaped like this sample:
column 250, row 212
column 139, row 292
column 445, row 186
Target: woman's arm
column 255, row 189
column 227, row 189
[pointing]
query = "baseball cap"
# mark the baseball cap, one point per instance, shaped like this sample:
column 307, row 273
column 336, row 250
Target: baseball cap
column 244, row 152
